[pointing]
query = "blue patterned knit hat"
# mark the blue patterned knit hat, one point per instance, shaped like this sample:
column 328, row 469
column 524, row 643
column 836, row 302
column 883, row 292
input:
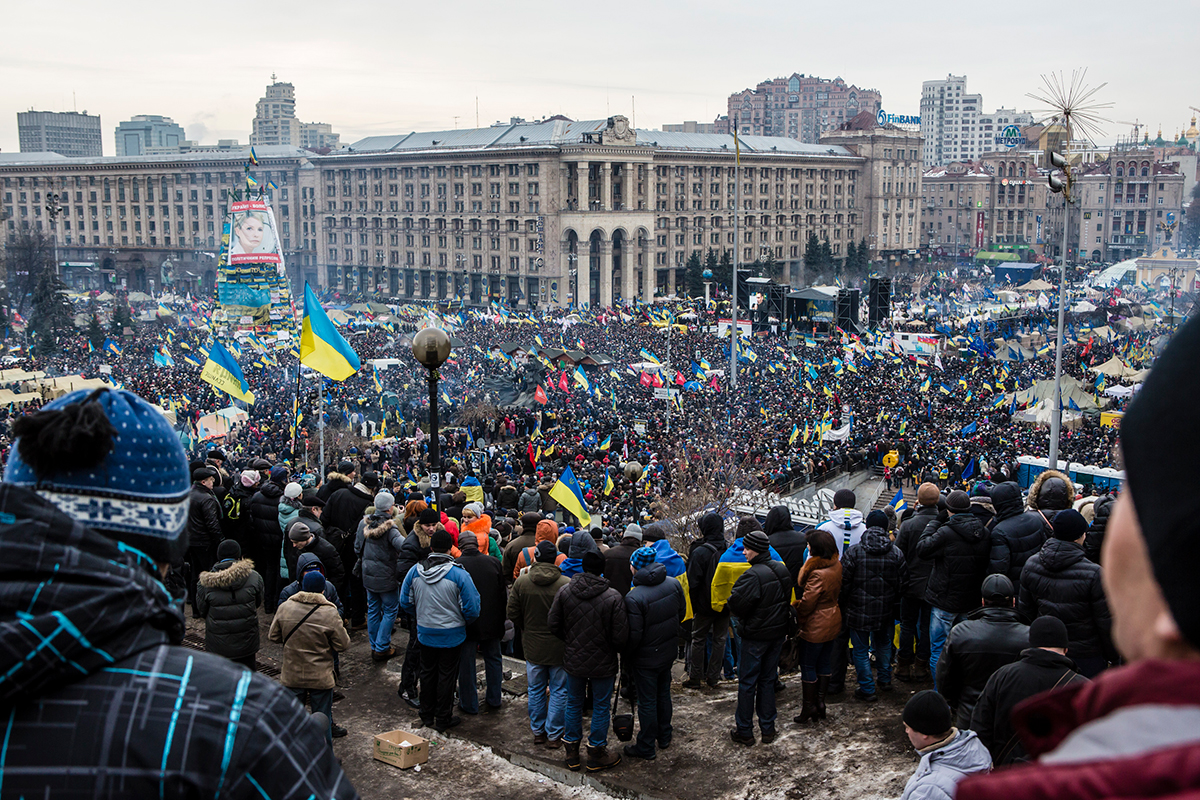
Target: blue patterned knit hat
column 642, row 557
column 110, row 460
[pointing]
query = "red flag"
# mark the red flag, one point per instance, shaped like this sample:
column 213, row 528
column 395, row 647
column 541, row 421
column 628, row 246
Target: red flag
column 540, row 395
column 644, row 380
column 562, row 382
column 529, row 451
column 679, row 379
column 657, row 381
column 713, row 383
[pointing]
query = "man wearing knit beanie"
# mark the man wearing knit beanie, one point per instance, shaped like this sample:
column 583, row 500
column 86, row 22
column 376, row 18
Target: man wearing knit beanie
column 959, row 549
column 95, row 500
column 589, row 616
column 912, row 659
column 1044, row 665
column 1132, row 731
column 845, row 522
column 310, row 630
column 947, row 753
column 655, row 607
column 760, row 600
column 439, row 593
column 1060, row 581
column 529, row 602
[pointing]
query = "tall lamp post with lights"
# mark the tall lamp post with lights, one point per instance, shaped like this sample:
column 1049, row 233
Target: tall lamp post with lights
column 431, row 347
column 53, row 209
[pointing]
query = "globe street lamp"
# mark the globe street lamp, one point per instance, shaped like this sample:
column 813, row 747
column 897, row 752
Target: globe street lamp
column 431, row 347
column 633, row 473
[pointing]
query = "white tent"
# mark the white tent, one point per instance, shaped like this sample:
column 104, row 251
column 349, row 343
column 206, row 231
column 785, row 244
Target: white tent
column 1083, row 307
column 1035, row 285
column 1114, row 368
column 1118, row 391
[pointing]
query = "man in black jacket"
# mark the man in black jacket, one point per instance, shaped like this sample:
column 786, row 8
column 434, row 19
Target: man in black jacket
column 985, row 641
column 343, row 512
column 303, row 539
column 702, row 564
column 235, row 517
column 414, row 550
column 912, row 660
column 590, row 618
column 204, row 529
column 787, row 541
column 485, row 633
column 616, row 561
column 872, row 584
column 268, row 537
column 760, row 601
column 1061, row 582
column 1043, row 666
column 1016, row 535
column 655, row 608
column 959, row 551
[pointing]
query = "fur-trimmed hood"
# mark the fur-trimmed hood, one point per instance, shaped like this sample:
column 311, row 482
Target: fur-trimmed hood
column 227, row 574
column 1051, row 491
column 337, row 476
column 376, row 527
column 311, row 599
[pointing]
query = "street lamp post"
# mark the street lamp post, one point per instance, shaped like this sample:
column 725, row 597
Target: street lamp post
column 633, row 473
column 431, row 347
column 53, row 209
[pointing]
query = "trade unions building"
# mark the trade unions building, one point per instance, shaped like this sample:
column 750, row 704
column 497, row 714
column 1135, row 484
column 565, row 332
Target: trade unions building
column 537, row 213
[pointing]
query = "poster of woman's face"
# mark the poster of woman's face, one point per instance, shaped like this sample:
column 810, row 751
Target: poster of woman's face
column 253, row 240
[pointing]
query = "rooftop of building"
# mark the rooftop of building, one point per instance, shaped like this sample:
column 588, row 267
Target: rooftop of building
column 563, row 132
column 239, row 155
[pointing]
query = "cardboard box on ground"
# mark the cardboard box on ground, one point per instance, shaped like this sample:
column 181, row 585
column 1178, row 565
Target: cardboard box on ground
column 401, row 749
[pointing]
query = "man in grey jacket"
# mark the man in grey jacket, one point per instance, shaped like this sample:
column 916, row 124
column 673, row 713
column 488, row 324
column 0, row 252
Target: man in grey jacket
column 947, row 754
column 377, row 545
column 440, row 594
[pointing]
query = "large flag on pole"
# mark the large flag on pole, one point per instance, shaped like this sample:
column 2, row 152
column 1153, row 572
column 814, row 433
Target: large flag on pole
column 224, row 373
column 321, row 347
column 570, row 496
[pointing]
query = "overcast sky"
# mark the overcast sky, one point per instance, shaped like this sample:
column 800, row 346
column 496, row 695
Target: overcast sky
column 373, row 67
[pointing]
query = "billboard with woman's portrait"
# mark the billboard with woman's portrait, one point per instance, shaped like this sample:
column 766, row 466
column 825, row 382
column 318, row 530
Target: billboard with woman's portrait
column 254, row 237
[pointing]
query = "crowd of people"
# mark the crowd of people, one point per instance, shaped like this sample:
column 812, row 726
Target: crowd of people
column 999, row 593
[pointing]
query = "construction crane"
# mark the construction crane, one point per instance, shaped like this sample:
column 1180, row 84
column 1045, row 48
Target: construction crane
column 1137, row 128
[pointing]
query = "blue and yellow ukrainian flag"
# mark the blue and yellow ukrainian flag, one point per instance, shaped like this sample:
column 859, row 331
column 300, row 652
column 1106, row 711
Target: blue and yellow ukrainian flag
column 321, row 347
column 676, row 568
column 795, row 433
column 730, row 567
column 607, row 443
column 570, row 496
column 253, row 157
column 223, row 372
column 924, row 387
column 608, row 484
column 899, row 504
column 582, row 379
column 648, row 356
column 378, row 382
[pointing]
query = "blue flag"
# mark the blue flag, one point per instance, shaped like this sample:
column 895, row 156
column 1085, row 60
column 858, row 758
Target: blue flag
column 969, row 469
column 969, row 429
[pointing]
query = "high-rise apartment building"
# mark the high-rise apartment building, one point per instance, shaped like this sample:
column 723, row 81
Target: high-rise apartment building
column 147, row 134
column 797, row 107
column 68, row 133
column 318, row 135
column 954, row 125
column 275, row 122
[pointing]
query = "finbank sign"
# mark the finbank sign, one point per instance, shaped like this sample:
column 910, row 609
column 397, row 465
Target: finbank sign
column 897, row 119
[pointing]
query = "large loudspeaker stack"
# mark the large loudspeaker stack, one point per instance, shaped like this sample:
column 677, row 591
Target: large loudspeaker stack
column 879, row 301
column 847, row 309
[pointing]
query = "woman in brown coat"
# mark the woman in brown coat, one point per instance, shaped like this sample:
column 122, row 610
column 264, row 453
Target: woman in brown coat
column 817, row 590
